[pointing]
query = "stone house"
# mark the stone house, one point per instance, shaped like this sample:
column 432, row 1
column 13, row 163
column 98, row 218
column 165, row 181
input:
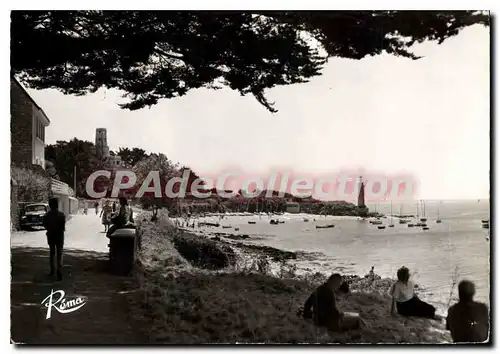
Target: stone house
column 27, row 127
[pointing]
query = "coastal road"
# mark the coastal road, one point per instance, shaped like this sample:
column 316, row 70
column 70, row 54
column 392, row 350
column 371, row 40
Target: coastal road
column 83, row 232
column 111, row 314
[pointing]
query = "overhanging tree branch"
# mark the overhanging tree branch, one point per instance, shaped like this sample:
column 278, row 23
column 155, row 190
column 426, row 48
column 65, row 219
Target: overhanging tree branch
column 247, row 52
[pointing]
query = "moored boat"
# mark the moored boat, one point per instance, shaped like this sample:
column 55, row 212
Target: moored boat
column 325, row 226
column 391, row 224
column 438, row 220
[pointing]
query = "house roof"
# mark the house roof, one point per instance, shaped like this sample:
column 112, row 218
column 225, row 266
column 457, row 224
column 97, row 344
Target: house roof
column 28, row 95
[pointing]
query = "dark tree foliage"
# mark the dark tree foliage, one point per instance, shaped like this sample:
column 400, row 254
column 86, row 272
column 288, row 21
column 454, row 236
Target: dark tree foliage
column 66, row 155
column 131, row 156
column 163, row 54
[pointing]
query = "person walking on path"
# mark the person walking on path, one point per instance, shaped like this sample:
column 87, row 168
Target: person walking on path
column 54, row 222
column 96, row 206
column 106, row 215
column 468, row 320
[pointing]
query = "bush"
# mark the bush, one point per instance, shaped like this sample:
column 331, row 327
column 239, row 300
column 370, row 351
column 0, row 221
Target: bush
column 31, row 186
column 204, row 253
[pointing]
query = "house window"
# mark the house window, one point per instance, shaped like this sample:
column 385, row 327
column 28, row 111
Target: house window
column 40, row 131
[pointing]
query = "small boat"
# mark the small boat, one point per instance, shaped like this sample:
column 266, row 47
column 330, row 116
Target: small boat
column 209, row 224
column 423, row 224
column 226, row 226
column 391, row 225
column 274, row 222
column 410, row 225
column 381, row 227
column 485, row 221
column 325, row 226
column 425, row 228
column 306, row 220
column 486, row 226
column 236, row 229
column 403, row 221
column 376, row 222
column 281, row 221
column 423, row 218
column 252, row 222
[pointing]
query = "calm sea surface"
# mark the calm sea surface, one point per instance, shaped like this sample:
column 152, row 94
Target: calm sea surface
column 457, row 248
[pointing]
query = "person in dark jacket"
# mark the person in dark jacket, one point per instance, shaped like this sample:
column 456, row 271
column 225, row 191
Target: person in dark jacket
column 468, row 320
column 54, row 222
column 322, row 309
column 122, row 218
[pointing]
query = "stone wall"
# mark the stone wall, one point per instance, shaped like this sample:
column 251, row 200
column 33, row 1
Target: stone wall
column 21, row 117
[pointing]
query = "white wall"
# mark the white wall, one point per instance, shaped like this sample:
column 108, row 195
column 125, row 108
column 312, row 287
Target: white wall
column 38, row 145
column 73, row 205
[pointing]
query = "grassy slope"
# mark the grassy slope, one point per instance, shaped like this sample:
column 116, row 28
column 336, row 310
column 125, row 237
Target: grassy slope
column 188, row 305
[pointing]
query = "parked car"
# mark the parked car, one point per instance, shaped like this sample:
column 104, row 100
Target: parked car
column 33, row 215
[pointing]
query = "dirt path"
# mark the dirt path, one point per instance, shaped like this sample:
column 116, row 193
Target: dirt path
column 111, row 314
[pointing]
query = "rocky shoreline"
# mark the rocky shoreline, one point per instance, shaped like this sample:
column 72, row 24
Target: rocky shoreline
column 187, row 302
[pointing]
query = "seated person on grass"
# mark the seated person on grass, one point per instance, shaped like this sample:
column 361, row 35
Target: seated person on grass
column 468, row 320
column 321, row 307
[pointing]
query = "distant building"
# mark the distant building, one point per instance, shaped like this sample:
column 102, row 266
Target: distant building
column 362, row 209
column 361, row 195
column 68, row 204
column 101, row 150
column 27, row 128
column 114, row 162
column 101, row 143
column 292, row 207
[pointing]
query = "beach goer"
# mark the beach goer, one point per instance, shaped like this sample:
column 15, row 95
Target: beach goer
column 114, row 207
column 96, row 206
column 54, row 222
column 106, row 215
column 122, row 218
column 404, row 299
column 322, row 309
column 468, row 320
column 85, row 209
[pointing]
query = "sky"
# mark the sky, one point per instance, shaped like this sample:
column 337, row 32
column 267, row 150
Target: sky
column 429, row 118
